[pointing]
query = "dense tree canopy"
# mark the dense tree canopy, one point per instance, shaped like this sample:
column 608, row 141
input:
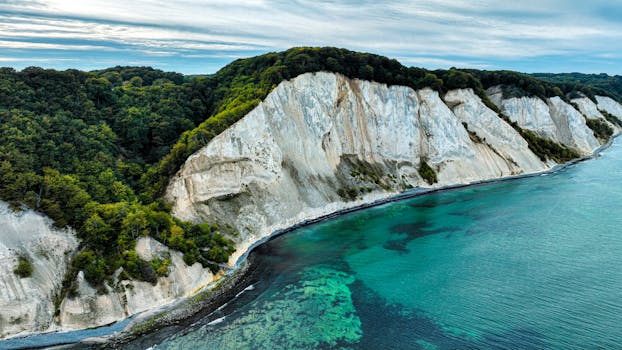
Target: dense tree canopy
column 74, row 146
column 589, row 84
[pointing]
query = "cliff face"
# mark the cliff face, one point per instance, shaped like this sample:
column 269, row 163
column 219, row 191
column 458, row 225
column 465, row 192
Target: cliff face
column 126, row 298
column 608, row 105
column 317, row 144
column 321, row 136
column 552, row 119
column 27, row 304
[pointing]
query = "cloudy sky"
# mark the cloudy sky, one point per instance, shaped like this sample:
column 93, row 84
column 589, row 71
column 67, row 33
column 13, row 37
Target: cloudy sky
column 201, row 36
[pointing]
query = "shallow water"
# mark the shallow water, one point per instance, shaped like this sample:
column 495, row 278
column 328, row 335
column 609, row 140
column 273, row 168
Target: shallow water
column 59, row 338
column 529, row 264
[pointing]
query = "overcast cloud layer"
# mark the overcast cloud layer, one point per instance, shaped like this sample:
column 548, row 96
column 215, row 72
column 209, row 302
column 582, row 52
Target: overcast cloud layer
column 202, row 36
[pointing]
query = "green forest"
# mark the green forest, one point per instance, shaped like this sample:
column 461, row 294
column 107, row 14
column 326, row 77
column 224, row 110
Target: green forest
column 596, row 83
column 95, row 150
column 75, row 146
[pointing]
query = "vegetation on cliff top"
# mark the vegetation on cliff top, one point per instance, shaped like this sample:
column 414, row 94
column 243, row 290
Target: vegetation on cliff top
column 589, row 84
column 95, row 150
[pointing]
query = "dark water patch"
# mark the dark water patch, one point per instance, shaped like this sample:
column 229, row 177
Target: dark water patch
column 441, row 199
column 411, row 229
column 383, row 324
column 398, row 245
column 391, row 326
column 429, row 204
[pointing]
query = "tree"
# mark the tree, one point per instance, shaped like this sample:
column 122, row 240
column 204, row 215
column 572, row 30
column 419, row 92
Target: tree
column 24, row 267
column 99, row 90
column 366, row 72
column 432, row 81
column 96, row 231
column 133, row 82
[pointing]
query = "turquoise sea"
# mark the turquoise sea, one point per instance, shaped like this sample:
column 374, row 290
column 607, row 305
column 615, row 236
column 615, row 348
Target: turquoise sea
column 529, row 264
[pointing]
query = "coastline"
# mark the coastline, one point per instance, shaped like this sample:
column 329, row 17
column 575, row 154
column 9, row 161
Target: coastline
column 417, row 192
column 216, row 294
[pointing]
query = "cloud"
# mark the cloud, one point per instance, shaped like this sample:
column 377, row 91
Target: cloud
column 441, row 62
column 34, row 59
column 48, row 46
column 434, row 33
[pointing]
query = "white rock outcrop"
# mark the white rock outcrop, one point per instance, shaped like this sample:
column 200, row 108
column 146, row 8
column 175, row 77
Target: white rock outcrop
column 571, row 126
column 502, row 143
column 293, row 157
column 609, row 105
column 27, row 304
column 588, row 108
column 553, row 119
column 127, row 298
column 531, row 113
column 591, row 110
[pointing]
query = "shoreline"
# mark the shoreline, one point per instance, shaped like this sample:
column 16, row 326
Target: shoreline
column 216, row 294
column 417, row 192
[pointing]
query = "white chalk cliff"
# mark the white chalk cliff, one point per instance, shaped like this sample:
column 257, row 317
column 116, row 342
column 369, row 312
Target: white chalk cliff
column 131, row 297
column 317, row 144
column 27, row 304
column 290, row 158
column 552, row 119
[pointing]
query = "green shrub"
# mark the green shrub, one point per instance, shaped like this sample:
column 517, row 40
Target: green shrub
column 93, row 266
column 427, row 173
column 543, row 148
column 348, row 193
column 160, row 266
column 612, row 118
column 138, row 269
column 600, row 128
column 24, row 267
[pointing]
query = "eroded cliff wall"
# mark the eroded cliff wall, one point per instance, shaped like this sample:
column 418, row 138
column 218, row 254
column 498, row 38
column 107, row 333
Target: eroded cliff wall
column 557, row 120
column 27, row 304
column 322, row 142
column 125, row 298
